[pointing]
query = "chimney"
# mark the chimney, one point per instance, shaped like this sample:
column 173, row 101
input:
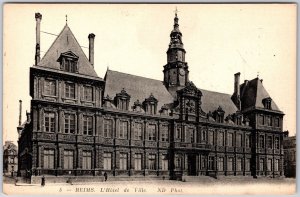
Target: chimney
column 28, row 116
column 38, row 18
column 20, row 112
column 91, row 48
column 237, row 89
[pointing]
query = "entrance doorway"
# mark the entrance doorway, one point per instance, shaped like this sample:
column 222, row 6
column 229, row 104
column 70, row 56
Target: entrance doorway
column 192, row 168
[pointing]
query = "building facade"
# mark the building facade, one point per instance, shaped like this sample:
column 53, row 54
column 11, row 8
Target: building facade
column 289, row 147
column 10, row 159
column 131, row 126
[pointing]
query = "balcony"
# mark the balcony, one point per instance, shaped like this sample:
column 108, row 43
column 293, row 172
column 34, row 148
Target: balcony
column 66, row 137
column 164, row 144
column 247, row 150
column 105, row 141
column 277, row 151
column 239, row 149
column 229, row 149
column 85, row 139
column 44, row 136
column 150, row 144
column 121, row 142
column 220, row 148
column 138, row 143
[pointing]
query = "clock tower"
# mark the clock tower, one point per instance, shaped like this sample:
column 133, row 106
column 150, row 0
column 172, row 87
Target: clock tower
column 176, row 70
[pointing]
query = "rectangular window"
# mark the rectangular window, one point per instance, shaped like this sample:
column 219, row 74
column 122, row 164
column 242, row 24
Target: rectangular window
column 50, row 87
column 221, row 139
column 88, row 93
column 70, row 90
column 192, row 134
column 70, row 123
column 123, row 131
column 164, row 133
column 276, row 122
column 276, row 165
column 138, row 133
column 261, row 119
column 230, row 164
column 164, row 163
column 247, row 141
column 269, row 142
column 262, row 141
column 269, row 164
column 48, row 159
column 152, row 132
column 211, row 137
column 211, row 163
column 108, row 128
column 203, row 135
column 152, row 161
column 107, row 161
column 68, row 159
column 247, row 164
column 277, row 145
column 230, row 140
column 123, row 161
column 238, row 164
column 269, row 120
column 87, row 125
column 86, row 160
column 221, row 164
column 261, row 164
column 178, row 133
column 49, row 122
column 239, row 140
column 138, row 161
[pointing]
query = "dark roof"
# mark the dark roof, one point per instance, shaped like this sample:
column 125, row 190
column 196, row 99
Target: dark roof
column 137, row 87
column 141, row 88
column 212, row 100
column 252, row 94
column 65, row 42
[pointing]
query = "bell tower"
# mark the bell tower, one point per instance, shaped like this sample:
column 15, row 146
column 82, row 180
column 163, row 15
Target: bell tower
column 176, row 70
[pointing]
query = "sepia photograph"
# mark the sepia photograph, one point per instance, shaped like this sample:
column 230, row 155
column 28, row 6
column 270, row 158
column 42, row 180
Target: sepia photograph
column 149, row 99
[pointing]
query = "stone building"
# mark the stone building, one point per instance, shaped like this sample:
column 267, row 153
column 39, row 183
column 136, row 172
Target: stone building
column 289, row 147
column 131, row 126
column 10, row 159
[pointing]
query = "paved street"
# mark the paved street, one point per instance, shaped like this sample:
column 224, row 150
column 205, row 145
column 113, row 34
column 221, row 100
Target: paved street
column 209, row 186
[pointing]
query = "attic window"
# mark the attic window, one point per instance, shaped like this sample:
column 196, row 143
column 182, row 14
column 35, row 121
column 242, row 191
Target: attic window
column 267, row 103
column 150, row 105
column 68, row 62
column 122, row 100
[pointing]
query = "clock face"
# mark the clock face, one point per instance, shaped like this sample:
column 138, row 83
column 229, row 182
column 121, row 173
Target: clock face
column 181, row 72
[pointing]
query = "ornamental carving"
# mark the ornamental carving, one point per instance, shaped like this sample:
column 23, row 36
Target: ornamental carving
column 190, row 90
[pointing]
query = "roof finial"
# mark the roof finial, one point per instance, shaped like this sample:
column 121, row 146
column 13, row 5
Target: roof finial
column 66, row 19
column 258, row 74
column 176, row 11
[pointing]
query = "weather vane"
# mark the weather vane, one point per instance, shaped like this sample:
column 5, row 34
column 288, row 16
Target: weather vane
column 66, row 19
column 257, row 74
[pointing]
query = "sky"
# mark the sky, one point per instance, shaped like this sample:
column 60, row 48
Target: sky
column 220, row 40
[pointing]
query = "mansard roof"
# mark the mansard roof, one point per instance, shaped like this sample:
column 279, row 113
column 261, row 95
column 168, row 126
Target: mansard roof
column 211, row 101
column 253, row 93
column 139, row 88
column 66, row 42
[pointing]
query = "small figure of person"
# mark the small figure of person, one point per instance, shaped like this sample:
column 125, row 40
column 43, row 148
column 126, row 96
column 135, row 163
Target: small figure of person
column 43, row 181
column 105, row 176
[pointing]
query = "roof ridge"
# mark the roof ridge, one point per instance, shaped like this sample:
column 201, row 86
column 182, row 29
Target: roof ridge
column 133, row 75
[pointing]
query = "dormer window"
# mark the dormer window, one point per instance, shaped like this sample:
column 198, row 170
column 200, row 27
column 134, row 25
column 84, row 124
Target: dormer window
column 68, row 62
column 267, row 103
column 122, row 100
column 137, row 106
column 150, row 105
column 219, row 115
